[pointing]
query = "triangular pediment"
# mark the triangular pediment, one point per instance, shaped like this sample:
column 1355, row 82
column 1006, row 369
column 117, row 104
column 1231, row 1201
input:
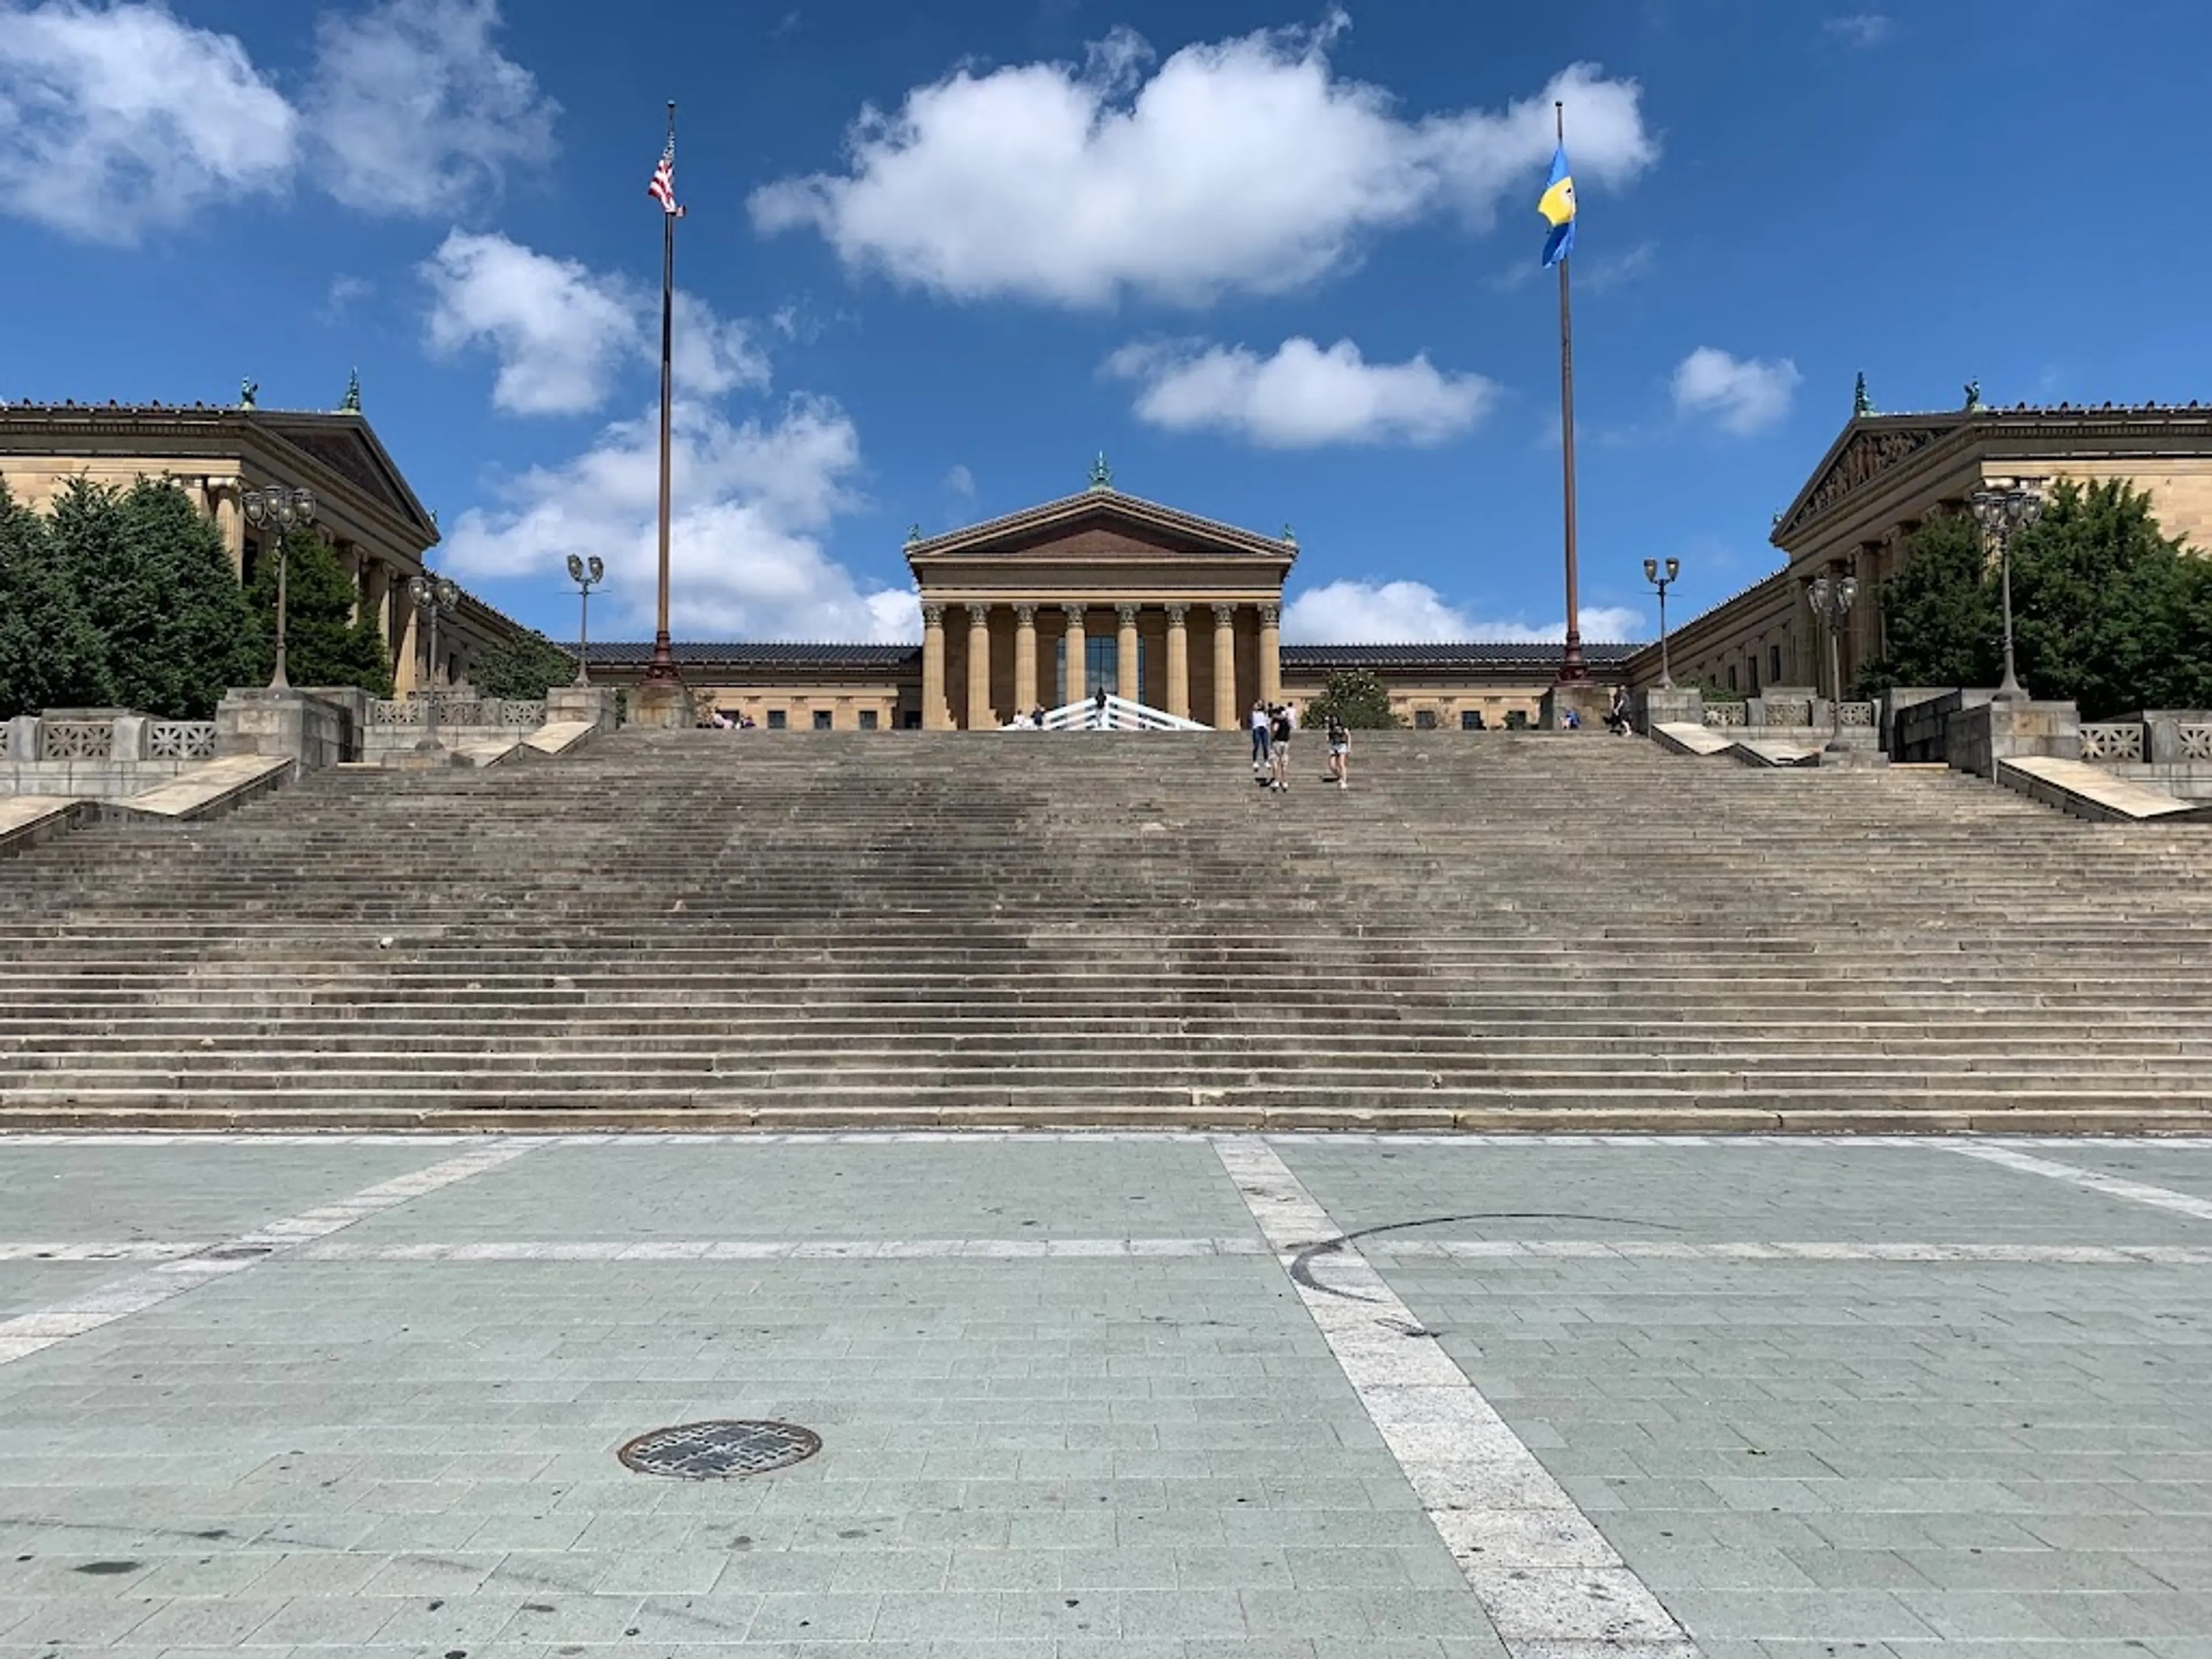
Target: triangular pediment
column 345, row 445
column 1100, row 520
column 1868, row 448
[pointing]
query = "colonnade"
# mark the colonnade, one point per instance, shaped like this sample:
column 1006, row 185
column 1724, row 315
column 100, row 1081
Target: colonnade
column 1074, row 635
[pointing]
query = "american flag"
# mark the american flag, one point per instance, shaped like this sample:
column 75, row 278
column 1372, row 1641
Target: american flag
column 663, row 187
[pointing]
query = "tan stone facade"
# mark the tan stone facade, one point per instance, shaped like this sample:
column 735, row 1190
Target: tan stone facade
column 364, row 508
column 1883, row 477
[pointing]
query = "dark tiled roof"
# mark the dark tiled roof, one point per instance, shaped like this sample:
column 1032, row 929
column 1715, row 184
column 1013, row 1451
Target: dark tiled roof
column 1461, row 654
column 767, row 655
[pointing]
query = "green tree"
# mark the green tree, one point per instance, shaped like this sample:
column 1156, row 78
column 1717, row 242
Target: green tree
column 324, row 644
column 1942, row 613
column 2108, row 612
column 156, row 587
column 1356, row 697
column 50, row 657
column 523, row 667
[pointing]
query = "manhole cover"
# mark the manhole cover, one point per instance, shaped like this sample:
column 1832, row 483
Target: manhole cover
column 720, row 1450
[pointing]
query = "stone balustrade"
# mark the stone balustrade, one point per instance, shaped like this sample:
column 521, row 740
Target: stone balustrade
column 2113, row 740
column 97, row 753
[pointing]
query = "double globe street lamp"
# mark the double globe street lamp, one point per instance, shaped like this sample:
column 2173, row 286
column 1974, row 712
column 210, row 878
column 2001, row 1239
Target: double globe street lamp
column 279, row 509
column 1662, row 583
column 2001, row 515
column 1831, row 597
column 587, row 574
column 434, row 596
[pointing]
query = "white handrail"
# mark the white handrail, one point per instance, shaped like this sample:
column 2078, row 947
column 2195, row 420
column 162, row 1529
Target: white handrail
column 1117, row 715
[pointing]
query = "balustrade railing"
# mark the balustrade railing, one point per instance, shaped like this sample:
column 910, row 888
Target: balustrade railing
column 184, row 740
column 1789, row 711
column 1858, row 714
column 513, row 713
column 70, row 740
column 2112, row 741
column 1724, row 713
column 2195, row 742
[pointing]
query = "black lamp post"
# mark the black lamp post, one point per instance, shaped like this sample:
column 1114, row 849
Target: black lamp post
column 433, row 595
column 2001, row 515
column 1662, row 583
column 587, row 574
column 1830, row 598
column 278, row 509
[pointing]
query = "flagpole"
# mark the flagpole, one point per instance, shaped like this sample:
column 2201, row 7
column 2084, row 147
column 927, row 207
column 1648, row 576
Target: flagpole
column 662, row 668
column 1573, row 671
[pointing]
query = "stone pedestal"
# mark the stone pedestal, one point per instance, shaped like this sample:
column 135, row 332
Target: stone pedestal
column 594, row 705
column 296, row 726
column 1591, row 701
column 1976, row 739
column 1659, row 707
column 662, row 708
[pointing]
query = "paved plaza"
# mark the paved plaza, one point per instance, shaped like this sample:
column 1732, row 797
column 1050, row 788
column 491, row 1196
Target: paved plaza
column 1205, row 1397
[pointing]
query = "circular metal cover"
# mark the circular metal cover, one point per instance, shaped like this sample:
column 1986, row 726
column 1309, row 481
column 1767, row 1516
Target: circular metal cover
column 723, row 1449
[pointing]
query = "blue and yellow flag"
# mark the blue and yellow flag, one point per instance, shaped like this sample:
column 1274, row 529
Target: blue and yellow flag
column 1557, row 204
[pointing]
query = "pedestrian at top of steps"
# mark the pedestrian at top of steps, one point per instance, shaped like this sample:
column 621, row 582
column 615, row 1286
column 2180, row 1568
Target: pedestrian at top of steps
column 1616, row 718
column 1281, row 723
column 1098, row 708
column 1340, row 751
column 1260, row 740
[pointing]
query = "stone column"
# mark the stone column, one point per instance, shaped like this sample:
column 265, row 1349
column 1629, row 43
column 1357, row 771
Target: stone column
column 1026, row 666
column 1271, row 652
column 980, row 718
column 229, row 520
column 1124, row 654
column 1077, row 690
column 376, row 594
column 1226, row 715
column 1178, row 664
column 935, row 716
column 354, row 563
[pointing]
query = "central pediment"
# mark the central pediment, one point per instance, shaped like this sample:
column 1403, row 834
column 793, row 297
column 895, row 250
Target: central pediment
column 1101, row 526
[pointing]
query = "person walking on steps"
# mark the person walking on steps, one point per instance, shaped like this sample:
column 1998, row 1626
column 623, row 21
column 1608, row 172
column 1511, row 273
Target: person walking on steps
column 1098, row 709
column 1339, row 752
column 1617, row 720
column 1260, row 759
column 1281, row 724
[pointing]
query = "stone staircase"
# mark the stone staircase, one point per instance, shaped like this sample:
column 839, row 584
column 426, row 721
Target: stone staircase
column 714, row 930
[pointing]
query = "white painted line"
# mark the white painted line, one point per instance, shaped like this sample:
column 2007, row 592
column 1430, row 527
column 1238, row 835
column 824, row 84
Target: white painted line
column 1550, row 1582
column 787, row 1250
column 27, row 1334
column 135, row 1249
column 2164, row 1198
column 1537, row 1251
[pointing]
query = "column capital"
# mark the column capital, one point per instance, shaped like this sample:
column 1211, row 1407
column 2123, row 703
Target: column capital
column 1223, row 615
column 1074, row 608
column 1025, row 615
column 933, row 615
column 1175, row 613
column 979, row 616
column 1126, row 614
column 1270, row 614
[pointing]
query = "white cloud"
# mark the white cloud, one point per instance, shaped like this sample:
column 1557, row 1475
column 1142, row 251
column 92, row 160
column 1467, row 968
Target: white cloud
column 746, row 559
column 961, row 482
column 414, row 110
column 1743, row 396
column 1403, row 612
column 1864, row 28
column 119, row 119
column 1240, row 164
column 1301, row 398
column 564, row 334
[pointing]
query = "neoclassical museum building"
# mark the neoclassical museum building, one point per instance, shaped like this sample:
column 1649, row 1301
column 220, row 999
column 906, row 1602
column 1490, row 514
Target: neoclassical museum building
column 1098, row 590
column 1105, row 589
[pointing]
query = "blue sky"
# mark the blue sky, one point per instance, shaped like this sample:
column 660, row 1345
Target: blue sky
column 1280, row 264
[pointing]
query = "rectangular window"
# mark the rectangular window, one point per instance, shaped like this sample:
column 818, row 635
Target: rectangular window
column 775, row 720
column 821, row 720
column 1424, row 719
column 1732, row 686
column 1773, row 664
column 913, row 720
column 867, row 720
column 1470, row 719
